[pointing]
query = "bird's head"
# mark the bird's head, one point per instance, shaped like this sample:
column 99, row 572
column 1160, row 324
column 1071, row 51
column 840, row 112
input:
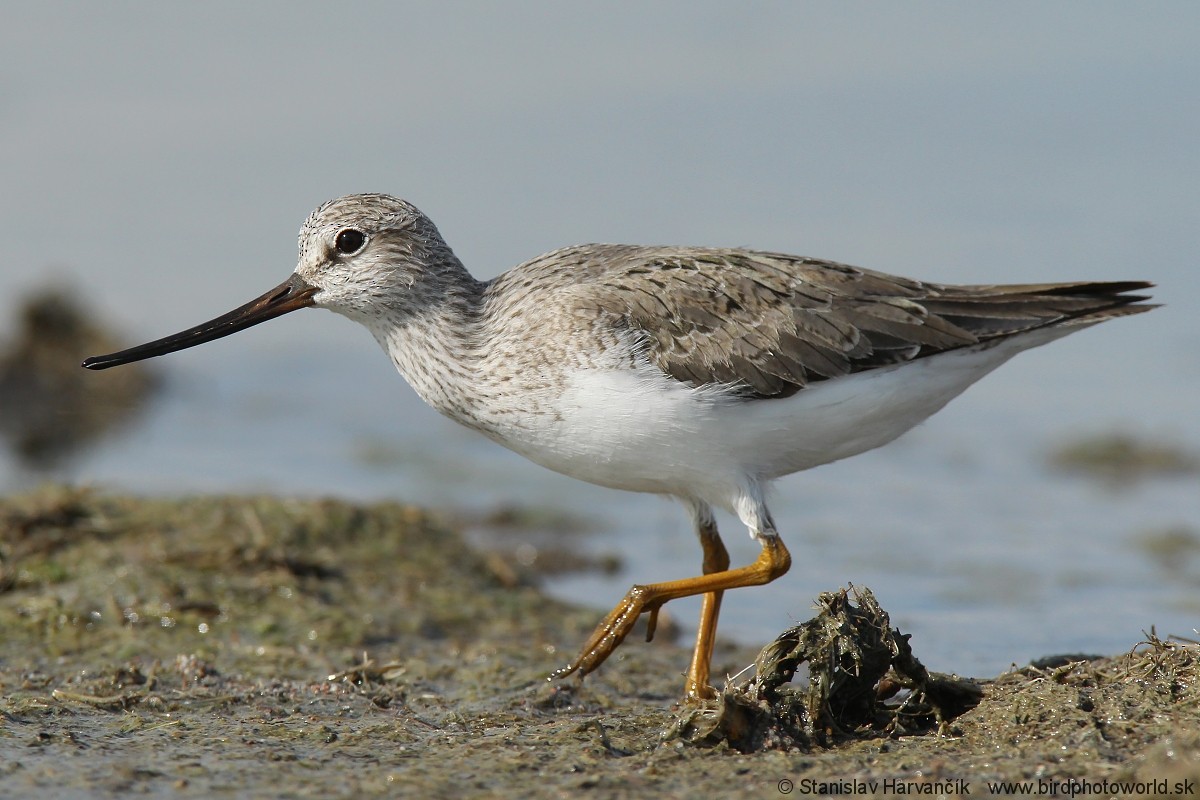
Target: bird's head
column 366, row 256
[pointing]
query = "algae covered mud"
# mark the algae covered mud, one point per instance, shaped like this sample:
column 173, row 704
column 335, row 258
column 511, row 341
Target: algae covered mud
column 269, row 647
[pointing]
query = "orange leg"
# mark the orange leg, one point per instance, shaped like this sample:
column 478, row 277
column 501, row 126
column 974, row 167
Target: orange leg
column 772, row 562
column 716, row 559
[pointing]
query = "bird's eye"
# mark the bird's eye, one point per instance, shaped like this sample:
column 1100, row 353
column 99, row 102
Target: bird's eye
column 349, row 241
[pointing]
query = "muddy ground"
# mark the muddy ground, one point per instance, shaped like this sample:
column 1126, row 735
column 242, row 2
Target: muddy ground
column 267, row 647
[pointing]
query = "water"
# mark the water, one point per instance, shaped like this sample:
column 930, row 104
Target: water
column 973, row 545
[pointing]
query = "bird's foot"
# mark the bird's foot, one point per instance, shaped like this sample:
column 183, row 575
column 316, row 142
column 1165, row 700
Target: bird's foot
column 612, row 630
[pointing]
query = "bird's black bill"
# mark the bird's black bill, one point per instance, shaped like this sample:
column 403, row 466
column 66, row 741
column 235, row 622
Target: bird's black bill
column 288, row 296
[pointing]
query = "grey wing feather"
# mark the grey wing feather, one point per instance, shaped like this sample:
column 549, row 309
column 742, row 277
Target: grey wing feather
column 771, row 324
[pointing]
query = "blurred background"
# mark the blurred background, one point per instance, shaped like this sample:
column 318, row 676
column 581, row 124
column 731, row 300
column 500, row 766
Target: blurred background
column 156, row 161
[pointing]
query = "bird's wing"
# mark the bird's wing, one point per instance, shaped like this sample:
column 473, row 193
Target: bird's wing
column 770, row 324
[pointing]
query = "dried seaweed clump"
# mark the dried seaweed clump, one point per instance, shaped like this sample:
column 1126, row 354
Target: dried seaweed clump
column 863, row 682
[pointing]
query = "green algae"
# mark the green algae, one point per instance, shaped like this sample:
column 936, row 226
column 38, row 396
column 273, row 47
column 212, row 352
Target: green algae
column 276, row 647
column 1121, row 458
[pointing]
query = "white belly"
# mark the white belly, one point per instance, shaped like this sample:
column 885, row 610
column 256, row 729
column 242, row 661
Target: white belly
column 642, row 431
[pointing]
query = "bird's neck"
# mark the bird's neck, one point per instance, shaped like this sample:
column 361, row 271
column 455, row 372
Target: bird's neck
column 437, row 347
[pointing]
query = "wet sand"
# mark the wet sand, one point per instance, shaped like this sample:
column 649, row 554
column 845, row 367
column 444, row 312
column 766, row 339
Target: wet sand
column 219, row 646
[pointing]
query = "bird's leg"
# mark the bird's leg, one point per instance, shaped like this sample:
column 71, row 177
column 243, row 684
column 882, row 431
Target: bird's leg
column 716, row 559
column 772, row 562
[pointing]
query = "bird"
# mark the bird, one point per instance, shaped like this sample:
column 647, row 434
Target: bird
column 699, row 373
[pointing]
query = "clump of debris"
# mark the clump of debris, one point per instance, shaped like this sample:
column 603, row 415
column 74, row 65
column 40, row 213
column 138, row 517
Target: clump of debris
column 52, row 408
column 863, row 682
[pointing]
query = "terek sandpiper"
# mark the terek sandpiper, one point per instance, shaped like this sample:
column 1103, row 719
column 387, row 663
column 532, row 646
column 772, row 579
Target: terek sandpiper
column 700, row 373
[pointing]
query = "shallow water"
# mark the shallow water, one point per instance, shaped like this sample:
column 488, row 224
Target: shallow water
column 976, row 547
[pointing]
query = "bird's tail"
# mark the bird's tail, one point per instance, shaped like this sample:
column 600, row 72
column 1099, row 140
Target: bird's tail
column 992, row 311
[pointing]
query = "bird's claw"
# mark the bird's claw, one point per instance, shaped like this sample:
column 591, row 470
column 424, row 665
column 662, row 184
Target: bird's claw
column 652, row 623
